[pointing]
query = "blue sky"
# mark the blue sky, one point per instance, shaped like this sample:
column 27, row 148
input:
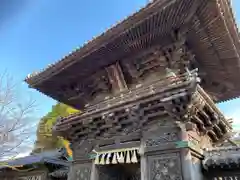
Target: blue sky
column 39, row 32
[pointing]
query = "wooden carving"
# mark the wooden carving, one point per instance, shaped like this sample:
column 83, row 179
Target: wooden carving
column 176, row 56
column 165, row 167
column 162, row 139
column 97, row 84
column 82, row 149
column 140, row 109
column 141, row 66
column 89, row 89
column 134, row 115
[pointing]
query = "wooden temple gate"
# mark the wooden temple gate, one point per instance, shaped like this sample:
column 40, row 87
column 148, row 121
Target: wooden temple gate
column 147, row 89
column 129, row 142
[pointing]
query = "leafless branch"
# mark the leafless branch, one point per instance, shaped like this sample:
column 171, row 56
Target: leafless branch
column 15, row 117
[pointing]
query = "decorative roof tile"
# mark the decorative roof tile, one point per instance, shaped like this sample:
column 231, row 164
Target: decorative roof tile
column 222, row 157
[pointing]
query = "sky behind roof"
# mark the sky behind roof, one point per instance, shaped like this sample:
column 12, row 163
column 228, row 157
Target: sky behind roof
column 36, row 33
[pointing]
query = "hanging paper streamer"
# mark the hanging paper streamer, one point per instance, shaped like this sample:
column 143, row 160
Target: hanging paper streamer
column 120, row 157
column 114, row 161
column 102, row 161
column 117, row 156
column 108, row 158
column 134, row 157
column 128, row 159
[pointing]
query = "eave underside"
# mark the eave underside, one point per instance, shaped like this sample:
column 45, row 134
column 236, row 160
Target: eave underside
column 183, row 101
column 211, row 35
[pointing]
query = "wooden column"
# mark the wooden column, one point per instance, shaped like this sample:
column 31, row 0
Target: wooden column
column 186, row 158
column 81, row 170
column 191, row 158
column 167, row 155
column 161, row 158
column 94, row 174
column 143, row 163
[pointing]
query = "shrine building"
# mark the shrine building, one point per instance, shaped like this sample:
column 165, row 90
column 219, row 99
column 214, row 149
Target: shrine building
column 147, row 89
column 48, row 165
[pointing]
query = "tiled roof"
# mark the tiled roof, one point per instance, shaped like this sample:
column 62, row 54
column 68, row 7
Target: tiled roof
column 44, row 157
column 220, row 157
column 63, row 172
column 213, row 37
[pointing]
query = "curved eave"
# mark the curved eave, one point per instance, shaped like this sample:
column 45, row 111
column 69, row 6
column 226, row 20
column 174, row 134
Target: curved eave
column 224, row 157
column 218, row 54
column 96, row 43
column 222, row 163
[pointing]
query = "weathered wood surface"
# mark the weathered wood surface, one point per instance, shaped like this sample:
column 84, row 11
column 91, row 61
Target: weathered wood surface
column 182, row 100
column 80, row 171
column 211, row 36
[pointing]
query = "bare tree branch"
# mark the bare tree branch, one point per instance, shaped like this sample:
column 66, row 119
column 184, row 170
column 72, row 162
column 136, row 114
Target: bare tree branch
column 16, row 120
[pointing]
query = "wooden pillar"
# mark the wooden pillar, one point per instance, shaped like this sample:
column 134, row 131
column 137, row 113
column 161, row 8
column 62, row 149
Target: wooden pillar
column 71, row 173
column 116, row 77
column 167, row 155
column 186, row 158
column 94, row 174
column 186, row 164
column 143, row 163
column 190, row 160
column 81, row 171
column 161, row 159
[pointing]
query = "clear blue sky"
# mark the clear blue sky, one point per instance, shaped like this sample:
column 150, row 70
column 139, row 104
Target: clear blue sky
column 35, row 33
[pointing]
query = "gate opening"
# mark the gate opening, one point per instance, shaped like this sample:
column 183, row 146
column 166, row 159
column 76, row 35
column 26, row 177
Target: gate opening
column 119, row 171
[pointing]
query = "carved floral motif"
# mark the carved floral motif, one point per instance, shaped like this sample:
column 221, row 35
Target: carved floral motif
column 164, row 138
column 166, row 167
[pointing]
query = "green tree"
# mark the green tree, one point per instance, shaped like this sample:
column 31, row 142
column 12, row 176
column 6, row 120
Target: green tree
column 45, row 139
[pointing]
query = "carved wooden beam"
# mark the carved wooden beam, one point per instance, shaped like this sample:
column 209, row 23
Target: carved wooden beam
column 116, row 77
column 182, row 100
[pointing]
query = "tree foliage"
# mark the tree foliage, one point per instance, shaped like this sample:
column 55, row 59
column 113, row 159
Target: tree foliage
column 45, row 139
